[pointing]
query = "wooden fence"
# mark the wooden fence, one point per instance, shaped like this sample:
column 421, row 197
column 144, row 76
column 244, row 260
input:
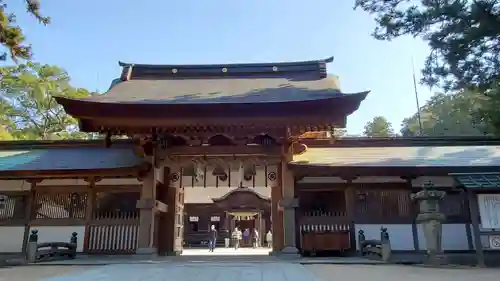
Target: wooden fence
column 110, row 218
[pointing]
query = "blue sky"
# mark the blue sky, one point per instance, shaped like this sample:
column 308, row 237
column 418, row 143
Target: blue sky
column 88, row 38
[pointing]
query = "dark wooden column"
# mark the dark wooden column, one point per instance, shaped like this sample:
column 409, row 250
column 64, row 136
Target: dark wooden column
column 147, row 214
column 350, row 208
column 274, row 180
column 474, row 215
column 175, row 216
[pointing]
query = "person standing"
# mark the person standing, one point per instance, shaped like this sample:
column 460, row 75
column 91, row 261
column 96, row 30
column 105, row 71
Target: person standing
column 255, row 238
column 269, row 239
column 212, row 239
column 236, row 235
column 246, row 237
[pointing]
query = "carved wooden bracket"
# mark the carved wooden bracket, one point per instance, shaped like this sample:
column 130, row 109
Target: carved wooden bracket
column 288, row 203
column 152, row 204
column 217, row 161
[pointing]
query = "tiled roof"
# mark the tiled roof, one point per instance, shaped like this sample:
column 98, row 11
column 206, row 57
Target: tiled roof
column 81, row 158
column 217, row 91
column 478, row 180
column 215, row 84
column 424, row 156
column 204, row 195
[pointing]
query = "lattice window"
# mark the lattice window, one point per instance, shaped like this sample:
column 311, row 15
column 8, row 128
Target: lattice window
column 383, row 204
column 116, row 205
column 13, row 207
column 60, row 205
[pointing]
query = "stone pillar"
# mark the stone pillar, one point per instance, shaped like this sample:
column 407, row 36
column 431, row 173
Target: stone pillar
column 147, row 214
column 288, row 204
column 274, row 180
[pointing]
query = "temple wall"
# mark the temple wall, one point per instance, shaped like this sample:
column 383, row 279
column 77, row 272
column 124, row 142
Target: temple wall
column 401, row 235
column 485, row 241
column 454, row 237
column 59, row 234
column 11, row 239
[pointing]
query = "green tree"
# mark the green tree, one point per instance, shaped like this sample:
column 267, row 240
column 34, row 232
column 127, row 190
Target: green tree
column 30, row 112
column 5, row 135
column 464, row 37
column 11, row 35
column 447, row 115
column 378, row 127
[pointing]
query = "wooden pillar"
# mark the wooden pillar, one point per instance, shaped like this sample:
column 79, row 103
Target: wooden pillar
column 147, row 214
column 350, row 208
column 88, row 213
column 175, row 215
column 474, row 215
column 28, row 215
column 288, row 204
column 274, row 181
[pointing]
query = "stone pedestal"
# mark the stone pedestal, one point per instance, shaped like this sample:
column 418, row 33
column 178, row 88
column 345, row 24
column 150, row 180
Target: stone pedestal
column 289, row 205
column 431, row 220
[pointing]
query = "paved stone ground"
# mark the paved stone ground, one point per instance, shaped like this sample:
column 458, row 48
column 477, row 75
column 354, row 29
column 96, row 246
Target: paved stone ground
column 333, row 272
column 177, row 272
column 271, row 271
column 226, row 252
column 39, row 273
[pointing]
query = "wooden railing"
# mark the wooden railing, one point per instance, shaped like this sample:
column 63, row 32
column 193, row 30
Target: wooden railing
column 114, row 232
column 324, row 231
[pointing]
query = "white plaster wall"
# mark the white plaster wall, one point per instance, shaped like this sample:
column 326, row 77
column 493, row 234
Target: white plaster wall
column 60, row 234
column 14, row 185
column 401, row 235
column 454, row 237
column 11, row 239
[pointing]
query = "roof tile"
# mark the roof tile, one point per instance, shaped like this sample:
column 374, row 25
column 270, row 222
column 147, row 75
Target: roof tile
column 81, row 158
column 424, row 156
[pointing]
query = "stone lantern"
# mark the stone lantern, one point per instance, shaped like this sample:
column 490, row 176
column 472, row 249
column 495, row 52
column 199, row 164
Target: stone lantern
column 431, row 219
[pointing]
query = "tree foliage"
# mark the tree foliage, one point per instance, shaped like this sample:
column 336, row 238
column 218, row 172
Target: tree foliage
column 448, row 115
column 27, row 105
column 12, row 36
column 464, row 37
column 378, row 127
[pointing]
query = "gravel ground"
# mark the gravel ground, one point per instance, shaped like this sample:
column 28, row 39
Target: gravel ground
column 35, row 273
column 331, row 272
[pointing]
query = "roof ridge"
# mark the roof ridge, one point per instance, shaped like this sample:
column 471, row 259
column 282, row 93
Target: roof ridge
column 162, row 71
column 327, row 60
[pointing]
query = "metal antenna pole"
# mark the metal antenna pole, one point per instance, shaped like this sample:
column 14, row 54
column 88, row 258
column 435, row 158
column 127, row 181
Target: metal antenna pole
column 416, row 97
